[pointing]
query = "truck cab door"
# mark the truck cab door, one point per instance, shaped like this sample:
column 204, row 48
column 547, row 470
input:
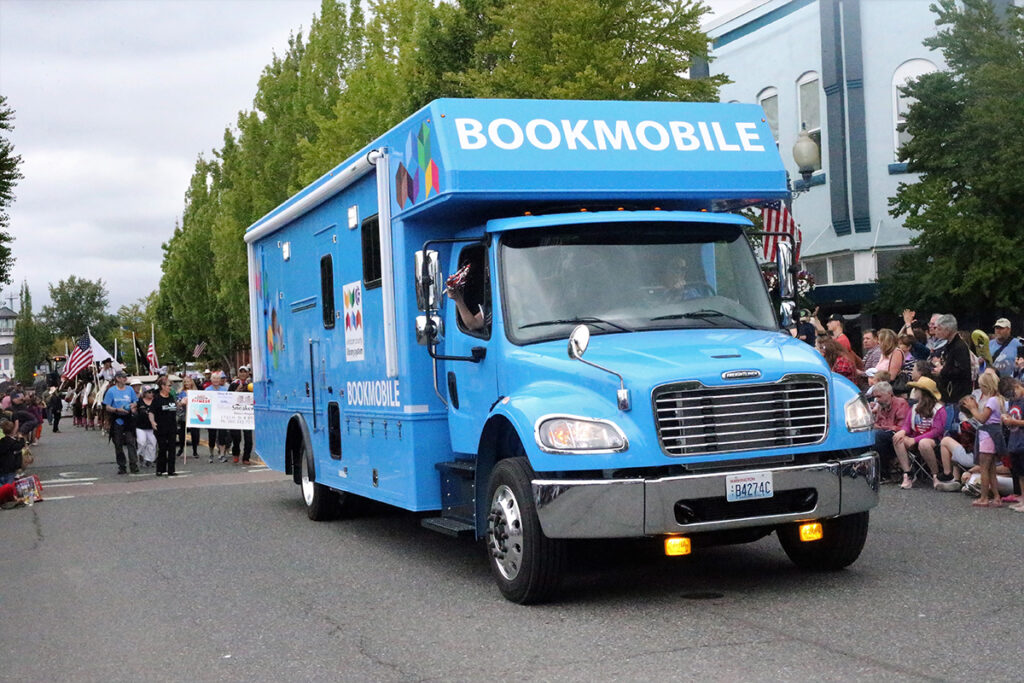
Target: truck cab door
column 471, row 386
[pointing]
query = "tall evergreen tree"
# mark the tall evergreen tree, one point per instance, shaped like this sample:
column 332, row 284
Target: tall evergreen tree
column 31, row 339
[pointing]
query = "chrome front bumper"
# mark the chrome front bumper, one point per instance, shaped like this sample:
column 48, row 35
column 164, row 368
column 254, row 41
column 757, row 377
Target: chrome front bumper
column 625, row 508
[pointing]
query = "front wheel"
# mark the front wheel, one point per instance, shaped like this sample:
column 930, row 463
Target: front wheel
column 526, row 564
column 841, row 542
column 322, row 503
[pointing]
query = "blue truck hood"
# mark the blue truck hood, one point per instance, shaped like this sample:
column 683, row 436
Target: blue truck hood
column 647, row 359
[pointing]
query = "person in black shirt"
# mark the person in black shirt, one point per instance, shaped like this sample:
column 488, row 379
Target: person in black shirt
column 953, row 367
column 163, row 416
column 55, row 406
column 10, row 452
column 241, row 437
column 144, row 436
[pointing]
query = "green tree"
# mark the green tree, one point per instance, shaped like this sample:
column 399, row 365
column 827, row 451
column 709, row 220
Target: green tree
column 965, row 207
column 186, row 308
column 9, row 177
column 78, row 304
column 31, row 339
column 592, row 49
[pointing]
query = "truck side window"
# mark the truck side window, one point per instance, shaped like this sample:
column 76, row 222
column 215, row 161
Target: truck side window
column 371, row 253
column 474, row 315
column 327, row 290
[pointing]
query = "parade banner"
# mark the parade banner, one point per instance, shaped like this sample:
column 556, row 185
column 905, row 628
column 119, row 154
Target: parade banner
column 219, row 410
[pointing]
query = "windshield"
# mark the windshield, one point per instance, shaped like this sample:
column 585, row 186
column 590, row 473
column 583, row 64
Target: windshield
column 618, row 277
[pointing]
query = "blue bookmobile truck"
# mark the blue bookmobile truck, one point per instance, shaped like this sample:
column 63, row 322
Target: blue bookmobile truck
column 607, row 362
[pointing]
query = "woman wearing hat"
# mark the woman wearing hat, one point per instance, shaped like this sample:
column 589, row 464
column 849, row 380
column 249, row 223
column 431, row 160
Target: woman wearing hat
column 924, row 427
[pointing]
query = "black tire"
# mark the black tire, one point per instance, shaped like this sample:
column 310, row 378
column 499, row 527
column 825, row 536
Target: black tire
column 526, row 564
column 322, row 503
column 841, row 543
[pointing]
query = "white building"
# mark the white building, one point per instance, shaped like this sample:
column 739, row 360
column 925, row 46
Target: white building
column 833, row 66
column 7, row 319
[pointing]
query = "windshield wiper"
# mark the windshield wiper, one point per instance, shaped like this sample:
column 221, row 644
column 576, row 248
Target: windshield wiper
column 704, row 314
column 570, row 321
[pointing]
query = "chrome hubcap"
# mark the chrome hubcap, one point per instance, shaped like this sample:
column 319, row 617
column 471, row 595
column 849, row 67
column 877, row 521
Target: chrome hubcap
column 307, row 484
column 505, row 533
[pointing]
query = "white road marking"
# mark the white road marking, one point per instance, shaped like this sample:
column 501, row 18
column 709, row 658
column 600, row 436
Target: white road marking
column 71, row 483
column 46, row 498
column 67, row 481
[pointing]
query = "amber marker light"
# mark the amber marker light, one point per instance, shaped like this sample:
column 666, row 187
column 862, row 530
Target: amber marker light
column 677, row 545
column 811, row 531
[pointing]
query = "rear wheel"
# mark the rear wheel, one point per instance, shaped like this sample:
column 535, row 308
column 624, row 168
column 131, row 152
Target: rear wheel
column 840, row 545
column 322, row 503
column 526, row 564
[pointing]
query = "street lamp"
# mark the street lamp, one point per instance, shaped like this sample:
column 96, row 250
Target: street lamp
column 806, row 155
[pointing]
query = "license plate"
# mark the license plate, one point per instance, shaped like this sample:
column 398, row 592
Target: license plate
column 748, row 486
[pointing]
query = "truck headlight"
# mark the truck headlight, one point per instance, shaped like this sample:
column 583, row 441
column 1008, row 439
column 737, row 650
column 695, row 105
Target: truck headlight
column 858, row 415
column 568, row 434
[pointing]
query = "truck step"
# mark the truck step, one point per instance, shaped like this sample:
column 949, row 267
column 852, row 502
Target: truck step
column 463, row 468
column 448, row 526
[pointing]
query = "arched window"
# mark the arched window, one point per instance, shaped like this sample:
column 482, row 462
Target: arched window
column 905, row 72
column 769, row 101
column 808, row 89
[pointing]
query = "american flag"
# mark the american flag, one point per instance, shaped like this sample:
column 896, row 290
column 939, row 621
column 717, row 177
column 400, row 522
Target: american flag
column 154, row 364
column 80, row 358
column 198, row 350
column 777, row 219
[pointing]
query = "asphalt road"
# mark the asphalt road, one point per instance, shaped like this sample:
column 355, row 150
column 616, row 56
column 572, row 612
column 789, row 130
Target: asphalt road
column 218, row 575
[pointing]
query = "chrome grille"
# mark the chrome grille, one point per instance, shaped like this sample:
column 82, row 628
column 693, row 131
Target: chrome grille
column 694, row 419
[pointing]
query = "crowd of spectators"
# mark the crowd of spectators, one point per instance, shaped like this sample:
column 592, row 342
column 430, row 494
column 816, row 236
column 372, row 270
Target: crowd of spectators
column 948, row 404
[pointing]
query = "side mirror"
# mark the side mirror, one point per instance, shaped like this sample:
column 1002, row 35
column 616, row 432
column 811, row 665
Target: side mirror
column 784, row 266
column 429, row 330
column 428, row 280
column 578, row 341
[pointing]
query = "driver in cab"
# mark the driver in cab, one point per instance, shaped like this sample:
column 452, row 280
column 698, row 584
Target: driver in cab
column 682, row 285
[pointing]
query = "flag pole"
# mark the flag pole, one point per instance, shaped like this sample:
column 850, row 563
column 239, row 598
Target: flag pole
column 135, row 352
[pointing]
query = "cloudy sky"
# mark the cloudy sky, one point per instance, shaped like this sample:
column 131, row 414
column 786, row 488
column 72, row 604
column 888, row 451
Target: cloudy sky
column 114, row 100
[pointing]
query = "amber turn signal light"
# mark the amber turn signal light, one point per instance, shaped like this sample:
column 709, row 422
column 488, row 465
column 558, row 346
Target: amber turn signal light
column 677, row 545
column 811, row 531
